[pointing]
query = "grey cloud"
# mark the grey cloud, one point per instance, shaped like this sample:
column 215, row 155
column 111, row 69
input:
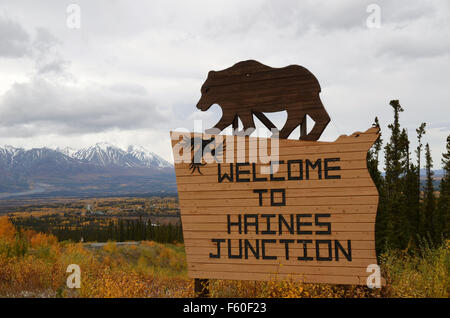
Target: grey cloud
column 14, row 39
column 46, row 57
column 41, row 106
column 400, row 13
column 413, row 47
column 303, row 17
column 168, row 47
column 416, row 30
column 17, row 42
column 44, row 40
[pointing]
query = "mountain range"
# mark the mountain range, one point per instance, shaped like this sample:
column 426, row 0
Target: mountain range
column 102, row 169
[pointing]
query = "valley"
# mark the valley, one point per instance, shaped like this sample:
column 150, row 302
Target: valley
column 98, row 219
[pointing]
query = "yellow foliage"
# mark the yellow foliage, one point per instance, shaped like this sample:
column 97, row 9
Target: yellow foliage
column 43, row 240
column 152, row 269
column 7, row 229
column 110, row 247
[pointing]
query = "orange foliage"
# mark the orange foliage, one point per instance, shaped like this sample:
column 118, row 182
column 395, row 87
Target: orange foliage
column 43, row 240
column 7, row 229
column 28, row 234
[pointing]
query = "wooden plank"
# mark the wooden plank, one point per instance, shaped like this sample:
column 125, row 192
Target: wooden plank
column 336, row 217
column 300, row 148
column 296, row 147
column 356, row 262
column 290, row 193
column 201, row 243
column 327, row 151
column 222, row 227
column 295, row 250
column 345, row 209
column 282, row 269
column 345, row 174
column 184, row 169
column 308, row 184
column 206, row 203
column 328, row 279
column 341, row 235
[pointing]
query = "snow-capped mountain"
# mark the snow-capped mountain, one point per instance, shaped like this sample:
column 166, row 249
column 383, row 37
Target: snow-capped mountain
column 68, row 151
column 106, row 155
column 7, row 154
column 99, row 169
column 101, row 154
column 149, row 159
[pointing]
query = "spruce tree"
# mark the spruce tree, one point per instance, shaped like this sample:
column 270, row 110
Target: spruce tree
column 443, row 210
column 395, row 167
column 373, row 159
column 429, row 201
column 418, row 219
column 373, row 164
column 409, row 205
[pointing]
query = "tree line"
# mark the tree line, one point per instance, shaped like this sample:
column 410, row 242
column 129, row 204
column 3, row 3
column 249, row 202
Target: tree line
column 84, row 229
column 409, row 213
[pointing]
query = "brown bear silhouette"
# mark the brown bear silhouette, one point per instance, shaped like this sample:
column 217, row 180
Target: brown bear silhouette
column 250, row 88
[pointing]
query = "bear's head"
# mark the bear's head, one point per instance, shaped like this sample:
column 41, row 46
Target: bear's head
column 208, row 97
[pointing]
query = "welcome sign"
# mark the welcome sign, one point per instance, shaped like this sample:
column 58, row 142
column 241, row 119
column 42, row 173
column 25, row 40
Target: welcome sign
column 305, row 211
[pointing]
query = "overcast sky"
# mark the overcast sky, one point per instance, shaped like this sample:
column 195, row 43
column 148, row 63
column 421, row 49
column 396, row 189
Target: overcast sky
column 133, row 70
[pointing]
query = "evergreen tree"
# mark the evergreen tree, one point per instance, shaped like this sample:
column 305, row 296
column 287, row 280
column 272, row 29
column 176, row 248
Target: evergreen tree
column 373, row 159
column 429, row 201
column 443, row 209
column 372, row 165
column 395, row 167
column 409, row 190
column 418, row 219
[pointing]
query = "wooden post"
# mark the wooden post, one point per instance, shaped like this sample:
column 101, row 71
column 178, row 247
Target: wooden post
column 201, row 288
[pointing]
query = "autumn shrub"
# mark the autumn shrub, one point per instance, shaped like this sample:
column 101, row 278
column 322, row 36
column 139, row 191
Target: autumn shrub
column 39, row 240
column 287, row 289
column 422, row 273
column 110, row 247
column 7, row 229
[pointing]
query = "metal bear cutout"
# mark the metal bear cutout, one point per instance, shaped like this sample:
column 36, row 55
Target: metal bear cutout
column 250, row 88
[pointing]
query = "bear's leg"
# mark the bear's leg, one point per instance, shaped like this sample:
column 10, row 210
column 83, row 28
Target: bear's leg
column 321, row 120
column 224, row 122
column 248, row 124
column 294, row 119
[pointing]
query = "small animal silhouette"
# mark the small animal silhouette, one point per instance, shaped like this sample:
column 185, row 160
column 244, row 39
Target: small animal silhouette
column 206, row 145
column 250, row 88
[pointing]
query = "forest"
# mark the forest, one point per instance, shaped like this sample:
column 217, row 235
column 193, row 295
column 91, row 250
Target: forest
column 409, row 214
column 88, row 229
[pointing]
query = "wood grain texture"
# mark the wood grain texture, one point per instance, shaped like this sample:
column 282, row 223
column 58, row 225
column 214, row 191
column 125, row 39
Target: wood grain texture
column 250, row 88
column 347, row 205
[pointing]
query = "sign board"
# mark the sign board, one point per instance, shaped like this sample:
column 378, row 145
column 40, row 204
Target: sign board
column 272, row 209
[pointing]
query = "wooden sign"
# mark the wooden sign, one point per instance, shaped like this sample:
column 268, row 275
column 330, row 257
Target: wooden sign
column 273, row 208
column 312, row 219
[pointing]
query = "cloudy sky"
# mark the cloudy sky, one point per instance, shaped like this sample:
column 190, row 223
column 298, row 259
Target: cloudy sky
column 133, row 70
